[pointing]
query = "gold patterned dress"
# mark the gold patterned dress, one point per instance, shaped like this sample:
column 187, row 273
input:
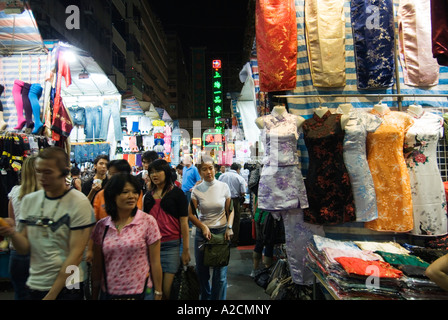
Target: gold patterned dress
column 389, row 172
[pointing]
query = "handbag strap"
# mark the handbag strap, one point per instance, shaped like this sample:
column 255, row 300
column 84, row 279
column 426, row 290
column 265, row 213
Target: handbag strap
column 193, row 209
column 104, row 264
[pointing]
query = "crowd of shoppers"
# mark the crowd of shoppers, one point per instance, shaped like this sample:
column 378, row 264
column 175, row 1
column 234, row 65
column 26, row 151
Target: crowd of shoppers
column 132, row 230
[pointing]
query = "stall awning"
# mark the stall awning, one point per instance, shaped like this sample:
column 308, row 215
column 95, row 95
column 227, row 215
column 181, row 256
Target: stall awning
column 19, row 33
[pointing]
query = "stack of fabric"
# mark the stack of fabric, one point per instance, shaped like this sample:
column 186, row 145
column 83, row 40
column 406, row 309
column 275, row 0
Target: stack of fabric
column 372, row 270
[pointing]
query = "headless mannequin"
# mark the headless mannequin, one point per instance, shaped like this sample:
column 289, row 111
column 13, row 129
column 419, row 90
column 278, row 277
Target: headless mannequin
column 277, row 111
column 416, row 110
column 323, row 110
column 381, row 108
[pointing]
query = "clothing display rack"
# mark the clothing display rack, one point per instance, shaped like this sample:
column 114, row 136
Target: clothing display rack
column 400, row 96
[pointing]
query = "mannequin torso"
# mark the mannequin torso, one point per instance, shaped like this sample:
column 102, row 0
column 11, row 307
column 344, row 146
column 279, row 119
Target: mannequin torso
column 278, row 111
column 416, row 110
column 381, row 108
column 323, row 110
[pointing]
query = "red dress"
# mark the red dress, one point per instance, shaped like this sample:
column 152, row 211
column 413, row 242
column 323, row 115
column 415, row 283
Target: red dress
column 276, row 37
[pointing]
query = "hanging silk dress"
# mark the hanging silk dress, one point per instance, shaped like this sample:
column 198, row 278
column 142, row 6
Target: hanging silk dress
column 360, row 123
column 373, row 42
column 281, row 190
column 276, row 41
column 325, row 41
column 415, row 43
column 439, row 31
column 281, row 185
column 428, row 193
column 389, row 173
column 328, row 185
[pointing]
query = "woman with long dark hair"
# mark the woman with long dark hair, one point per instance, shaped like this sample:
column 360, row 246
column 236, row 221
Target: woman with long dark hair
column 168, row 205
column 126, row 251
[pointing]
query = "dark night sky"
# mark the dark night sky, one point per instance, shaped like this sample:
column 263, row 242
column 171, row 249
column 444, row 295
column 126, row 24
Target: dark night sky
column 217, row 24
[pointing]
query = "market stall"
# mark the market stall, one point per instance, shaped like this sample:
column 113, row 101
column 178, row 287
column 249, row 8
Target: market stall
column 363, row 91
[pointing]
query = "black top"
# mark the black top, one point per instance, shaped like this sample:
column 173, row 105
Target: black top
column 174, row 203
column 87, row 186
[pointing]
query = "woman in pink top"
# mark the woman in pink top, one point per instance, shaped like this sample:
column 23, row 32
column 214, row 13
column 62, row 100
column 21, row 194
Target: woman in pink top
column 168, row 205
column 126, row 252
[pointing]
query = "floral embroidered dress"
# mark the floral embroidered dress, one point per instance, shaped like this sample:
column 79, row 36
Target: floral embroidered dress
column 355, row 159
column 281, row 185
column 428, row 194
column 389, row 173
column 328, row 184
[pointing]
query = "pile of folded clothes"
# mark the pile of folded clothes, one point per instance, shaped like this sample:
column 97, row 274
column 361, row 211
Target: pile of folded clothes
column 374, row 270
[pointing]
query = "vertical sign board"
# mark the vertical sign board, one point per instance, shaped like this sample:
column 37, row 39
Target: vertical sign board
column 217, row 96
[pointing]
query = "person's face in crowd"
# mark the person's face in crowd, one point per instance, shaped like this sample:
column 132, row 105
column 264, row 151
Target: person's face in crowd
column 112, row 171
column 157, row 177
column 223, row 169
column 145, row 164
column 49, row 175
column 208, row 172
column 101, row 167
column 179, row 171
column 127, row 199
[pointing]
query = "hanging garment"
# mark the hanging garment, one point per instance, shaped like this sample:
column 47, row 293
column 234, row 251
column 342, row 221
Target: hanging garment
column 389, row 172
column 34, row 96
column 355, row 159
column 27, row 105
column 276, row 40
column 428, row 192
column 439, row 27
column 419, row 66
column 373, row 42
column 325, row 39
column 281, row 185
column 17, row 95
column 298, row 234
column 327, row 184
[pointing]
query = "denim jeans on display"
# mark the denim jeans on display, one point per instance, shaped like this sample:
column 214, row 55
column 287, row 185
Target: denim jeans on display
column 93, row 122
column 111, row 108
column 78, row 115
column 218, row 289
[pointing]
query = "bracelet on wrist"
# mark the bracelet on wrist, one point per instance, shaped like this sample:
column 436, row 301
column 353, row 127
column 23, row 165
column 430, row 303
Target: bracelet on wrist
column 157, row 293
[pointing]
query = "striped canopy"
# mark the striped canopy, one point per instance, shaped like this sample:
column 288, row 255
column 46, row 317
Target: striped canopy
column 19, row 33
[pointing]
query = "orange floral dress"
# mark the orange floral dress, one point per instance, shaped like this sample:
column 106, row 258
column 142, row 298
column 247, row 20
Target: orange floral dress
column 389, row 172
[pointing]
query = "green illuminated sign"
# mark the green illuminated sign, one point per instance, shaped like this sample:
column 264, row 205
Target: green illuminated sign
column 217, row 97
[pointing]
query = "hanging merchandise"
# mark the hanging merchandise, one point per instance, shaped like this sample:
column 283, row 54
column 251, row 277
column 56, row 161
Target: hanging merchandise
column 439, row 25
column 18, row 101
column 281, row 185
column 3, row 124
column 428, row 192
column 34, row 96
column 373, row 41
column 276, row 40
column 389, row 172
column 326, row 50
column 355, row 160
column 419, row 66
column 328, row 184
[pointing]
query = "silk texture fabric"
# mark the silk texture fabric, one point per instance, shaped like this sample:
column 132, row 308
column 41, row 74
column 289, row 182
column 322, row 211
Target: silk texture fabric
column 276, row 38
column 325, row 39
column 414, row 30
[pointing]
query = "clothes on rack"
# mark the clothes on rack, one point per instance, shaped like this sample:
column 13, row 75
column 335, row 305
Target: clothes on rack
column 326, row 50
column 327, row 184
column 428, row 192
column 355, row 159
column 276, row 41
column 439, row 31
column 420, row 68
column 373, row 41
